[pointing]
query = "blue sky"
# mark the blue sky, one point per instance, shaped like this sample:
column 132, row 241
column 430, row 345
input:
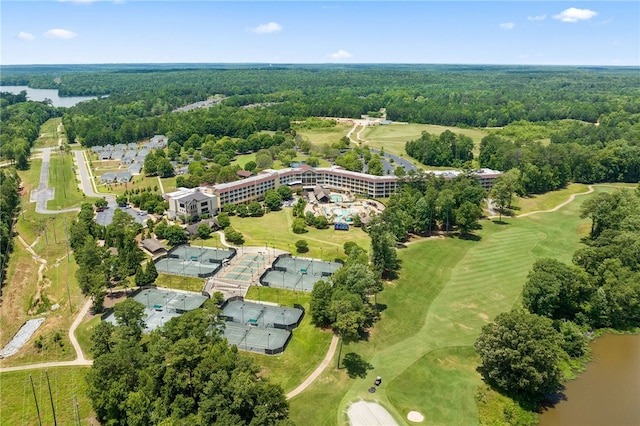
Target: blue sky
column 425, row 32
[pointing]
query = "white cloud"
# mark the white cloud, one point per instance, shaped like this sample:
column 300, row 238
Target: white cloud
column 271, row 27
column 574, row 15
column 507, row 26
column 25, row 36
column 537, row 18
column 60, row 33
column 340, row 54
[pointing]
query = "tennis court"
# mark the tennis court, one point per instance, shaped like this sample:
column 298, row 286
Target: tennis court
column 256, row 339
column 191, row 268
column 308, row 266
column 162, row 305
column 200, row 254
column 290, row 280
column 245, row 268
column 264, row 316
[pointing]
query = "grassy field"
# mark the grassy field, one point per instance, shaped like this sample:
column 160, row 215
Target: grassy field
column 137, row 182
column 49, row 134
column 324, row 135
column 169, row 184
column 17, row 406
column 179, row 282
column 61, row 177
column 548, row 200
column 306, row 349
column 447, row 290
column 394, row 136
column 274, row 229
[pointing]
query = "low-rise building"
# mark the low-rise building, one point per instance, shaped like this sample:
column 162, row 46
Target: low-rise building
column 191, row 202
column 335, row 177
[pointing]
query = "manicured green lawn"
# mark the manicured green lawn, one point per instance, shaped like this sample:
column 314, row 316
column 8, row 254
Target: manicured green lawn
column 179, row 282
column 447, row 290
column 306, row 349
column 17, row 405
column 394, row 136
column 548, row 200
column 274, row 229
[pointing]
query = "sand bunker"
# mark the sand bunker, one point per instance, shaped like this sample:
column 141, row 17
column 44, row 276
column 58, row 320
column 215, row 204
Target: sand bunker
column 415, row 417
column 364, row 413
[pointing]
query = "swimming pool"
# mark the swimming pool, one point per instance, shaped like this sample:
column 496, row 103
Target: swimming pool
column 336, row 198
column 344, row 215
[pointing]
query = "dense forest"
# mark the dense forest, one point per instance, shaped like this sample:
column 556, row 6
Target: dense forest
column 557, row 124
column 9, row 203
column 20, row 123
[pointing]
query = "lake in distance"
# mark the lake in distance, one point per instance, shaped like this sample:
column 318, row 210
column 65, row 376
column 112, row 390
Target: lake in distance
column 40, row 95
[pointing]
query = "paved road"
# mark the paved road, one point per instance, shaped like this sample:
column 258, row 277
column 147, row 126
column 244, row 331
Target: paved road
column 390, row 167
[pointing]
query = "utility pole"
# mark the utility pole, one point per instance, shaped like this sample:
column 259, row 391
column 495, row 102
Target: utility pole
column 53, row 408
column 66, row 234
column 36, row 399
column 75, row 403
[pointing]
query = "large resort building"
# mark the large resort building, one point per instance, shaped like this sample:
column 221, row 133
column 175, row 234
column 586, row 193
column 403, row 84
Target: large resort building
column 334, row 177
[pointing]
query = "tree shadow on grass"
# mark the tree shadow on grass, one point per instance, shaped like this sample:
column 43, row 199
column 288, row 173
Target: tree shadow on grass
column 470, row 237
column 500, row 222
column 356, row 366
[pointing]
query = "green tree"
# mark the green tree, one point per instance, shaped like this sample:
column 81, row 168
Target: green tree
column 255, row 209
column 204, row 231
column 467, row 217
column 348, row 326
column 383, row 250
column 101, row 203
column 520, row 354
column 555, row 290
column 223, row 220
column 302, row 246
column 250, row 166
column 374, row 166
column 150, row 272
column 320, row 303
column 285, row 192
column 273, row 200
column 501, row 195
column 299, row 226
column 321, row 222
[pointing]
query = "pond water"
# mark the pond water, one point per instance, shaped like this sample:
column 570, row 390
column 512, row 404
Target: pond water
column 608, row 392
column 42, row 94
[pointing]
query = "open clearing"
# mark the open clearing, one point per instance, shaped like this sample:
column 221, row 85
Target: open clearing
column 274, row 229
column 393, row 137
column 447, row 290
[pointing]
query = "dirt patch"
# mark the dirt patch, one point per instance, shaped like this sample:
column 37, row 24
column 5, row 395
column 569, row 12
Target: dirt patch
column 484, row 316
column 363, row 413
column 13, row 299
